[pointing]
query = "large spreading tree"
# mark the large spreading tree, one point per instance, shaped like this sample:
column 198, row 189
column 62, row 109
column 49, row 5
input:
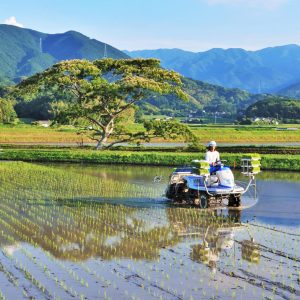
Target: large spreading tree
column 99, row 94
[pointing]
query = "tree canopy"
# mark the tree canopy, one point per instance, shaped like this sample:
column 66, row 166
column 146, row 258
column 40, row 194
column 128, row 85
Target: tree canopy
column 97, row 94
column 7, row 112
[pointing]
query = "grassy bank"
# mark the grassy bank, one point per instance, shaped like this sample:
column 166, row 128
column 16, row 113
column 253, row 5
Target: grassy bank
column 269, row 161
column 223, row 149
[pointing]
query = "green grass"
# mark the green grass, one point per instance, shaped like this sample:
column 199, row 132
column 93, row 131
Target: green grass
column 269, row 161
column 262, row 149
column 252, row 134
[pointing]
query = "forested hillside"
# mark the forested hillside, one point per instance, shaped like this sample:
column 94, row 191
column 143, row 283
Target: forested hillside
column 24, row 52
column 264, row 71
column 287, row 110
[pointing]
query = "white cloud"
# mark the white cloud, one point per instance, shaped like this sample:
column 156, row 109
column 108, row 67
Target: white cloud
column 269, row 4
column 13, row 21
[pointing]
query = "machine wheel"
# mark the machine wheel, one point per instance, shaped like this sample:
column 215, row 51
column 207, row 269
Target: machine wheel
column 204, row 201
column 196, row 202
column 170, row 191
column 193, row 197
column 234, row 201
column 180, row 195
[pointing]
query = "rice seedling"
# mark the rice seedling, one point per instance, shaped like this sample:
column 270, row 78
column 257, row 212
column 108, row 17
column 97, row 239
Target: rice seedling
column 65, row 235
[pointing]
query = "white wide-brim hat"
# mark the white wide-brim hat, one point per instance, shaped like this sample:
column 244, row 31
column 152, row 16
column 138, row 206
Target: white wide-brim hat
column 212, row 144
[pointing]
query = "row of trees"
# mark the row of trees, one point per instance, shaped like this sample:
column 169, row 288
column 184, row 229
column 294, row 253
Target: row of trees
column 276, row 108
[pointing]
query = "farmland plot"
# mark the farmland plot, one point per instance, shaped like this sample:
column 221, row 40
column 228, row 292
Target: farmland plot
column 83, row 232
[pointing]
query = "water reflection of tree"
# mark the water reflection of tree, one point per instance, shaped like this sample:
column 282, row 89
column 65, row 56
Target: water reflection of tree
column 83, row 230
column 78, row 233
column 130, row 174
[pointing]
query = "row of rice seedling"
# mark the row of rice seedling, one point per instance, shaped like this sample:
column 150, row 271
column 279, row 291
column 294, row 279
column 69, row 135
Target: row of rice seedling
column 58, row 184
column 41, row 218
column 187, row 218
column 88, row 249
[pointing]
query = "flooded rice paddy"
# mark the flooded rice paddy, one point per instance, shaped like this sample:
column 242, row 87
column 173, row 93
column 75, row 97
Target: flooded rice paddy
column 106, row 232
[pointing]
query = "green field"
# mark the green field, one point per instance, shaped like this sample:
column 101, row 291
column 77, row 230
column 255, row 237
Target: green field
column 221, row 133
column 285, row 158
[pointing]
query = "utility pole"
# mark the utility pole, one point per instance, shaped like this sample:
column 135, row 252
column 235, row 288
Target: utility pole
column 259, row 87
column 41, row 45
column 216, row 110
column 105, row 51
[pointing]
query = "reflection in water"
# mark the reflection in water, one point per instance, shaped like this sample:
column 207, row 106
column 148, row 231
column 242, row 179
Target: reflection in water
column 83, row 231
column 217, row 235
column 108, row 231
column 250, row 251
column 78, row 230
column 215, row 241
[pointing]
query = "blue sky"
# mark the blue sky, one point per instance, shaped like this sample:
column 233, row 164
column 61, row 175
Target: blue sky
column 194, row 25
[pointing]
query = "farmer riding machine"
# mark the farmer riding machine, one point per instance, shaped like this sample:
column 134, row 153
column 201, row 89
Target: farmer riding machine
column 205, row 186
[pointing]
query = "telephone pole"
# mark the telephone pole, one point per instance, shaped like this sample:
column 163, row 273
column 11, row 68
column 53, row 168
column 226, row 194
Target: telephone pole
column 105, row 51
column 41, row 45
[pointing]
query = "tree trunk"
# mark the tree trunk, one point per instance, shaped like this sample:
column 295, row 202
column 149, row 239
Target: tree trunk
column 101, row 143
column 105, row 135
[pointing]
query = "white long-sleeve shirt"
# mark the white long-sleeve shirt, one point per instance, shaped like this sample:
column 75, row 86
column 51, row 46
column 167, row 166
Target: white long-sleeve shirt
column 212, row 156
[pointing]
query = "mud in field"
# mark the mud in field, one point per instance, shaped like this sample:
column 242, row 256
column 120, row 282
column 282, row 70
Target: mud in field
column 83, row 245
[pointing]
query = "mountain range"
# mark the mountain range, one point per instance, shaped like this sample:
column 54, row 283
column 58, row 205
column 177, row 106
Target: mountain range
column 24, row 52
column 264, row 71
